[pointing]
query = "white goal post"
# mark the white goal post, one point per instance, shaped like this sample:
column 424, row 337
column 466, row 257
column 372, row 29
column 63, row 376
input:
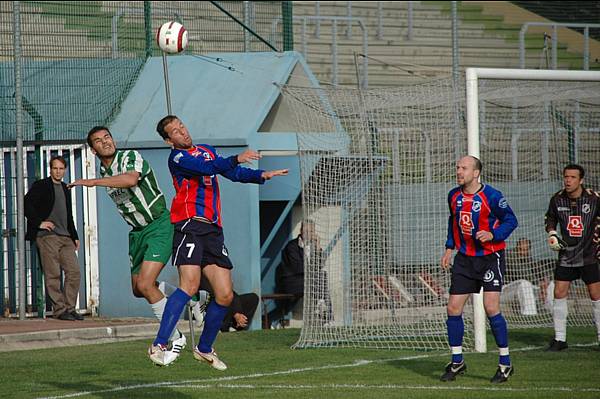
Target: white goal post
column 473, row 140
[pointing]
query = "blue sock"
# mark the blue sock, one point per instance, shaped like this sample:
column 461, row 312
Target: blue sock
column 171, row 314
column 500, row 331
column 456, row 331
column 215, row 314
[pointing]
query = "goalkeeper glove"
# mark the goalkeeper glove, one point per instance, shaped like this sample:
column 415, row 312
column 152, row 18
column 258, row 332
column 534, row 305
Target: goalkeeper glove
column 555, row 242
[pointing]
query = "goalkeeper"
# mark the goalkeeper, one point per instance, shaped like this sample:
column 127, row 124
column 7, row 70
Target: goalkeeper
column 577, row 210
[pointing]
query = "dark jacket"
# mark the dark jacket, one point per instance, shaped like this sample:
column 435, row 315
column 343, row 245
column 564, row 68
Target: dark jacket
column 39, row 201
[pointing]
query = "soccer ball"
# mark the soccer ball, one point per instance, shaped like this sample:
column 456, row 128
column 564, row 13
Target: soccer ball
column 172, row 37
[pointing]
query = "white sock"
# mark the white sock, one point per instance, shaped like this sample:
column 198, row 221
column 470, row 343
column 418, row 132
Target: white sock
column 166, row 288
column 158, row 308
column 559, row 315
column 596, row 312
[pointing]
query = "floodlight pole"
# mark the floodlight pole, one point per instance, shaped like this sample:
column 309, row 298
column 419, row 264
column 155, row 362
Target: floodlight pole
column 167, row 90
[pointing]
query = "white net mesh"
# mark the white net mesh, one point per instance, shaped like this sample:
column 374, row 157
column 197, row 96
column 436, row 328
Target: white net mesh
column 376, row 169
column 530, row 130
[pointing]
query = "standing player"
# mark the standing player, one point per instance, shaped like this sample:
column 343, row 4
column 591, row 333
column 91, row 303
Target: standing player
column 198, row 243
column 479, row 223
column 577, row 211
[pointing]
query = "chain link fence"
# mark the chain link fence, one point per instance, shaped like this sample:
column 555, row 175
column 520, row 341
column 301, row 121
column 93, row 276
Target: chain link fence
column 81, row 58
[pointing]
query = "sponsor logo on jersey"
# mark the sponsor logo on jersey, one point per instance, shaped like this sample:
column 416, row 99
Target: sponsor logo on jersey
column 575, row 226
column 563, row 209
column 466, row 223
column 119, row 195
column 196, row 152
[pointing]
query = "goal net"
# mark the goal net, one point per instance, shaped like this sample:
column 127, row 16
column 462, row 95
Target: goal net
column 529, row 130
column 376, row 167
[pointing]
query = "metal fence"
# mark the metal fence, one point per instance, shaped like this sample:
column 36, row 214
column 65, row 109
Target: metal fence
column 80, row 58
column 81, row 164
column 68, row 66
column 411, row 41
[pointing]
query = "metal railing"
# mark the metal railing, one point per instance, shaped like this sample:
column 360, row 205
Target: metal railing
column 81, row 164
column 334, row 51
column 554, row 36
column 409, row 20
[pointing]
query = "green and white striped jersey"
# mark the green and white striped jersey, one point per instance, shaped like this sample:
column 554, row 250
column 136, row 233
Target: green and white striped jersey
column 139, row 205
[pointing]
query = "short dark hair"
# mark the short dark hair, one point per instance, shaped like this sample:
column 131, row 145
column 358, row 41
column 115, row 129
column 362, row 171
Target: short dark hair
column 96, row 129
column 160, row 127
column 58, row 158
column 574, row 166
column 478, row 164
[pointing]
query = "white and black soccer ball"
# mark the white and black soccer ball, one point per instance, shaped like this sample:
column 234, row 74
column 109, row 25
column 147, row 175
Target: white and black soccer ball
column 172, row 37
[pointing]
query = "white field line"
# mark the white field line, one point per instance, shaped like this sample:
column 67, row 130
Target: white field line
column 221, row 382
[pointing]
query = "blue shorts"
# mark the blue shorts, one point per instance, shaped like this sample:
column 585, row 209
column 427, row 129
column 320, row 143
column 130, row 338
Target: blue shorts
column 199, row 243
column 470, row 273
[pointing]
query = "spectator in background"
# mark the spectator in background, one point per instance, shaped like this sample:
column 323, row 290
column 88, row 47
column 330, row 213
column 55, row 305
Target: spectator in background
column 520, row 272
column 240, row 312
column 289, row 276
column 50, row 224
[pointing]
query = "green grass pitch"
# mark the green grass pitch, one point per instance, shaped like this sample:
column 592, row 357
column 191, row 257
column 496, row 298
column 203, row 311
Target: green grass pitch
column 262, row 365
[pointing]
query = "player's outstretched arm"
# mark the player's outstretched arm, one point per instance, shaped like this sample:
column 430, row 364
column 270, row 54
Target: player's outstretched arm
column 125, row 180
column 248, row 156
column 198, row 166
column 268, row 175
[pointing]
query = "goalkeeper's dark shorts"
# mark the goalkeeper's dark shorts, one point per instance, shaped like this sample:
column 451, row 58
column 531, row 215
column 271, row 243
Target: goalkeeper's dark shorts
column 470, row 273
column 589, row 273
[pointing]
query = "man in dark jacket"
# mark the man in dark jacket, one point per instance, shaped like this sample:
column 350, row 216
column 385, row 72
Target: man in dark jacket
column 50, row 224
column 289, row 276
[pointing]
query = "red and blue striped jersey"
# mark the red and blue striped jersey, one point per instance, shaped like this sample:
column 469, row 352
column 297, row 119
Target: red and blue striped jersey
column 196, row 185
column 486, row 210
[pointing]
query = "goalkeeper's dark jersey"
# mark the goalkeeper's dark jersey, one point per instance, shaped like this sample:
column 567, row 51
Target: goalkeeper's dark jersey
column 577, row 219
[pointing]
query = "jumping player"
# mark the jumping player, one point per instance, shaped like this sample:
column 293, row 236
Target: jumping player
column 198, row 242
column 130, row 182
